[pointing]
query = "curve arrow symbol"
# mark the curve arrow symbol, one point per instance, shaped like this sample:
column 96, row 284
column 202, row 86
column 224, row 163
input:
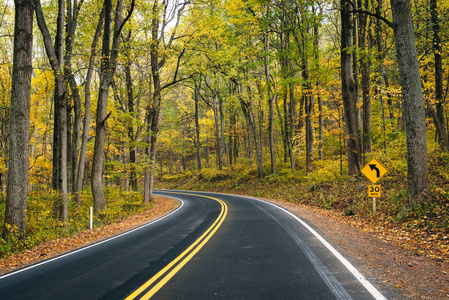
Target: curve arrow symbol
column 373, row 167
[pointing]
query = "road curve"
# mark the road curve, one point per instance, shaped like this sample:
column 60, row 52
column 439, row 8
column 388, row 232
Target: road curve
column 213, row 246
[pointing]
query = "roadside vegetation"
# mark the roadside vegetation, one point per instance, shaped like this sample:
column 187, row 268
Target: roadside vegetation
column 44, row 225
column 424, row 228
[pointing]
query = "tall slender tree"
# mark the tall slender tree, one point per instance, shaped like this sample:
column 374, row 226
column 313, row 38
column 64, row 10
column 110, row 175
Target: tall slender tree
column 108, row 67
column 161, row 15
column 74, row 100
column 131, row 110
column 270, row 94
column 17, row 185
column 55, row 56
column 196, row 98
column 413, row 102
column 86, row 120
column 440, row 123
column 348, row 91
column 366, row 73
column 316, row 50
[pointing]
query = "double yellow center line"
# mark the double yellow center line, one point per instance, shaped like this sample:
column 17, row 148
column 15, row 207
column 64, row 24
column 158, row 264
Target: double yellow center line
column 149, row 288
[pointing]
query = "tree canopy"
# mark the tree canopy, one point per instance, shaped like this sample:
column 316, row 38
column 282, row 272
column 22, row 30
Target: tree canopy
column 126, row 92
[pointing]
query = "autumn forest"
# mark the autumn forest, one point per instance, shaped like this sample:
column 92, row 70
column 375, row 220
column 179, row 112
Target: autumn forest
column 101, row 102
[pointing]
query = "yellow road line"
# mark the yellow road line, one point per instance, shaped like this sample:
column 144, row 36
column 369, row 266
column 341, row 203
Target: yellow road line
column 199, row 243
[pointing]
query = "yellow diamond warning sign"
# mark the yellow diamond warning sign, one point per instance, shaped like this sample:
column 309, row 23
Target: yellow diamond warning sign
column 374, row 171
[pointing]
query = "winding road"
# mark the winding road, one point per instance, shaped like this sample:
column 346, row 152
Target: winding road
column 213, row 246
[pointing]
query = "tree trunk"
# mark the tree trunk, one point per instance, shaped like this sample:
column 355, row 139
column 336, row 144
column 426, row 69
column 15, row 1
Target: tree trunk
column 100, row 128
column 222, row 137
column 250, row 141
column 318, row 84
column 207, row 152
column 440, row 124
column 258, row 137
column 109, row 63
column 217, row 133
column 76, row 130
column 64, row 206
column 17, row 182
column 97, row 163
column 86, row 121
column 348, row 91
column 60, row 93
column 55, row 56
column 288, row 130
column 72, row 22
column 158, row 48
column 60, row 106
column 366, row 73
column 154, row 128
column 309, row 132
column 291, row 121
column 252, row 131
column 131, row 134
column 271, row 99
column 308, row 102
column 147, row 176
column 230, row 138
column 281, row 121
column 288, row 99
column 156, row 103
column 355, row 69
column 383, row 76
column 197, row 127
column 414, row 113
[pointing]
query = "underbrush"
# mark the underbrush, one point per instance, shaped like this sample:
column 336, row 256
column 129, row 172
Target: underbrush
column 44, row 225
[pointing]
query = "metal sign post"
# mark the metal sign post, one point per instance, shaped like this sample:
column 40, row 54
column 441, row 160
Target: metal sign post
column 374, row 171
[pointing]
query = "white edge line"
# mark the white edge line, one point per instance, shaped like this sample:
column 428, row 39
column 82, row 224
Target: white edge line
column 93, row 245
column 373, row 291
column 368, row 286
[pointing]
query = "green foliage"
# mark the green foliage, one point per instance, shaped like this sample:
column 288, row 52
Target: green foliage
column 121, row 204
column 13, row 241
column 43, row 223
column 395, row 202
column 324, row 187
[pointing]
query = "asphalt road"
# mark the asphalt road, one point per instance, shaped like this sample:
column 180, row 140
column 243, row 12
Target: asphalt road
column 213, row 246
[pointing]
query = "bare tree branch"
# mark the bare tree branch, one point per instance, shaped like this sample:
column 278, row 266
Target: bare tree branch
column 375, row 15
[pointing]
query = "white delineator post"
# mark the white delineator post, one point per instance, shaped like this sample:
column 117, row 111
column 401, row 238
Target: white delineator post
column 91, row 217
